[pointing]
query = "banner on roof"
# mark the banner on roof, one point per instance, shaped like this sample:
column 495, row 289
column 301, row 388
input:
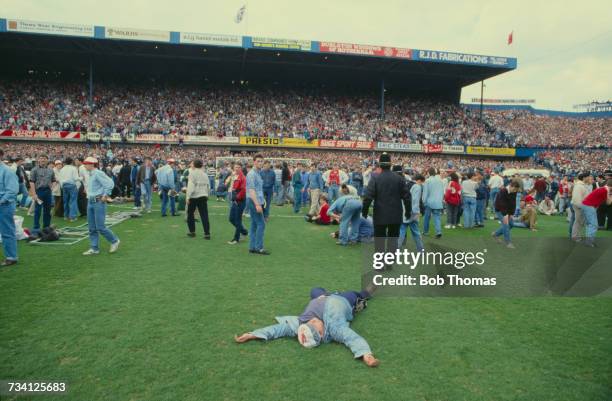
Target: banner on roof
column 328, row 143
column 463, row 58
column 365, row 50
column 49, row 28
column 485, row 150
column 281, row 44
column 431, row 148
column 41, row 135
column 453, row 149
column 137, row 34
column 212, row 140
column 210, row 39
column 399, row 147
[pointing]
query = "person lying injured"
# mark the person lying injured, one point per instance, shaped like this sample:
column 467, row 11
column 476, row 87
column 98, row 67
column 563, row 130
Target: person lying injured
column 326, row 318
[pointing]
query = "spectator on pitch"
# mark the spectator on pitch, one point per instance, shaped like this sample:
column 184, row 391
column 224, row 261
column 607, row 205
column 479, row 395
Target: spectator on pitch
column 604, row 212
column 564, row 194
column 482, row 194
column 9, row 187
column 582, row 187
column 166, row 180
column 269, row 179
column 198, row 191
column 285, row 182
column 134, row 168
column 414, row 212
column 22, row 179
column 547, row 206
column 452, row 198
column 255, row 204
column 388, row 191
column 146, row 180
column 320, row 217
column 326, row 318
column 505, row 206
column 81, row 186
column 527, row 217
column 433, row 196
column 468, row 199
column 591, row 202
column 125, row 185
column 496, row 182
column 42, row 178
column 238, row 199
column 540, row 186
column 366, row 230
column 222, row 176
column 278, row 184
column 333, row 179
column 347, row 208
column 69, row 178
column 58, row 207
column 99, row 187
column 298, row 186
column 314, row 186
column 356, row 179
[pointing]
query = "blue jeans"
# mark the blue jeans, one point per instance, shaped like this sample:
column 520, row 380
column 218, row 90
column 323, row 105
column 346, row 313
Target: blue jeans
column 147, row 194
column 350, row 217
column 504, row 229
column 436, row 218
column 70, row 194
column 492, row 197
column 7, row 230
column 44, row 194
column 572, row 218
column 268, row 193
column 469, row 211
column 413, row 225
column 96, row 220
column 257, row 229
column 479, row 216
column 235, row 217
column 278, row 190
column 332, row 193
column 297, row 199
column 136, row 194
column 211, row 180
column 24, row 194
column 590, row 218
column 165, row 198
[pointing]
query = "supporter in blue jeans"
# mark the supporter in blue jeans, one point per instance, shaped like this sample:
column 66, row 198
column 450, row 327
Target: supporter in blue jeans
column 433, row 195
column 505, row 205
column 326, row 318
column 412, row 222
column 9, row 187
column 255, row 201
column 349, row 208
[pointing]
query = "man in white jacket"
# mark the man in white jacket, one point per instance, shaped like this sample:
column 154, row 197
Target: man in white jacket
column 198, row 190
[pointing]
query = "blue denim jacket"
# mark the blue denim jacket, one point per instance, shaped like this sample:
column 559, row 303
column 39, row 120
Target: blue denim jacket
column 433, row 192
column 336, row 318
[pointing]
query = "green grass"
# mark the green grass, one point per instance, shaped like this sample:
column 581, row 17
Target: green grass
column 155, row 322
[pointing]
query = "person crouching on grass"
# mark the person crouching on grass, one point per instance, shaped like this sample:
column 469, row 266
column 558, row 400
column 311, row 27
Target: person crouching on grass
column 326, row 318
column 198, row 190
column 99, row 187
column 505, row 205
column 321, row 218
column 349, row 206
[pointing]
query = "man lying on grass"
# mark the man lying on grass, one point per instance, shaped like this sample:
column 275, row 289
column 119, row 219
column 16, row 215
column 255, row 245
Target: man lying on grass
column 326, row 318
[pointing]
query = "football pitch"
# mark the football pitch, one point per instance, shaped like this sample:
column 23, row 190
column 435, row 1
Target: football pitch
column 156, row 321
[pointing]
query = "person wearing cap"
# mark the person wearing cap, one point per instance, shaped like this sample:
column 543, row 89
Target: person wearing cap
column 9, row 187
column 99, row 187
column 388, row 191
column 326, row 318
column 42, row 178
column 166, row 179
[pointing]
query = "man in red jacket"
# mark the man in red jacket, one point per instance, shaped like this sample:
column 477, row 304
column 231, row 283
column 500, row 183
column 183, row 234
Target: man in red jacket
column 589, row 208
column 238, row 197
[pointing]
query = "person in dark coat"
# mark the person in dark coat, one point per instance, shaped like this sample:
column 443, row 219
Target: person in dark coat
column 125, row 184
column 388, row 191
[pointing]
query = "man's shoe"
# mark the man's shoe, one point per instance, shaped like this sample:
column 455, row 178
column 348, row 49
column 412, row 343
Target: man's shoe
column 114, row 246
column 191, row 235
column 510, row 245
column 8, row 262
column 176, row 214
column 244, row 233
column 232, row 242
column 438, row 236
column 90, row 252
column 496, row 238
column 207, row 236
column 259, row 252
column 447, row 226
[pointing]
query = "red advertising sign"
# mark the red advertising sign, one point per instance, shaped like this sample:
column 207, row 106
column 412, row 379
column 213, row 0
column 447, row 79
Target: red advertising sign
column 25, row 134
column 429, row 148
column 365, row 50
column 328, row 143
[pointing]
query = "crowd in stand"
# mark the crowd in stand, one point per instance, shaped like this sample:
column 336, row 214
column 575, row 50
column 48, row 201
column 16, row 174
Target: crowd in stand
column 574, row 161
column 281, row 112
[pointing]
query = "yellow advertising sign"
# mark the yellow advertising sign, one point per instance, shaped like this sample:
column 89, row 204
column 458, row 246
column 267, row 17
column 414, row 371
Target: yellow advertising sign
column 256, row 141
column 485, row 150
column 300, row 143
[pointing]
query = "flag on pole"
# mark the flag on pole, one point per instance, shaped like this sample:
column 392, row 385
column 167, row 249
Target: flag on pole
column 240, row 14
column 510, row 38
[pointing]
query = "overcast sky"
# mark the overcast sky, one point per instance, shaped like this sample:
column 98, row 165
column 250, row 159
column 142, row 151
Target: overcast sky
column 564, row 47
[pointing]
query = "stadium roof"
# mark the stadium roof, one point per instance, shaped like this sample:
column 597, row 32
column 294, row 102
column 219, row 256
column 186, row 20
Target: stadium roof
column 34, row 44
